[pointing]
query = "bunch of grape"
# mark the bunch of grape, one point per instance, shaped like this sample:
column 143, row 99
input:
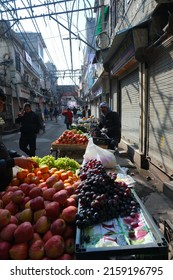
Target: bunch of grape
column 101, row 198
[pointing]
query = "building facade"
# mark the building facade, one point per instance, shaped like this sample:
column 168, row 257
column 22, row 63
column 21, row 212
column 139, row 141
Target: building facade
column 23, row 74
column 135, row 49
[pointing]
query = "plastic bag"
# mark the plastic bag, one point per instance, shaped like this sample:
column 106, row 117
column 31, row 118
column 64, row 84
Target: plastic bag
column 95, row 152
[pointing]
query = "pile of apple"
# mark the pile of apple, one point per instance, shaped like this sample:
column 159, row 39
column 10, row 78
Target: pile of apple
column 37, row 221
column 71, row 137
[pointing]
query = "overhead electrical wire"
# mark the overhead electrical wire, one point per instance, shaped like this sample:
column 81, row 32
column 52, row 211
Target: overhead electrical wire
column 50, row 12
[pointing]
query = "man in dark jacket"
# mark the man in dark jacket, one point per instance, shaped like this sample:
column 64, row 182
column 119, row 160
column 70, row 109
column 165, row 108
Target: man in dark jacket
column 110, row 124
column 30, row 126
column 6, row 162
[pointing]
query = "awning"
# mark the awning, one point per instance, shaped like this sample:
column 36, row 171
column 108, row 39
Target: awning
column 99, row 23
column 119, row 38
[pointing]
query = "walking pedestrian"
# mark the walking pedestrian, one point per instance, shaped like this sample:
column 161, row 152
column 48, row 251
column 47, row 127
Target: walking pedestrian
column 55, row 113
column 68, row 117
column 46, row 113
column 30, row 126
column 6, row 161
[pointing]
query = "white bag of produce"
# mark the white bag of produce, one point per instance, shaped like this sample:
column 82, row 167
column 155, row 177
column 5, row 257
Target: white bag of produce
column 95, row 152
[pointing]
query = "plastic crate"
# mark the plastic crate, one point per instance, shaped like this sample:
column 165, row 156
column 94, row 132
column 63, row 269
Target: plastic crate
column 154, row 247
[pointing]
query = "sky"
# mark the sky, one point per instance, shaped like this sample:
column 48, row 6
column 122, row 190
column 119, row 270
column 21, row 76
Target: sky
column 66, row 54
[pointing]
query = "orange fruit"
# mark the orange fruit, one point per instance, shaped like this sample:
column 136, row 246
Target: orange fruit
column 44, row 168
column 69, row 180
column 70, row 173
column 53, row 170
column 21, row 174
column 39, row 174
column 64, row 176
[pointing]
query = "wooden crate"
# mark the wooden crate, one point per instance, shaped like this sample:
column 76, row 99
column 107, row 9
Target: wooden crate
column 68, row 147
column 74, row 151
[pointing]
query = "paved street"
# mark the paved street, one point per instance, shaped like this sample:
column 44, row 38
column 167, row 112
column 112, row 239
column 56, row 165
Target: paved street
column 44, row 140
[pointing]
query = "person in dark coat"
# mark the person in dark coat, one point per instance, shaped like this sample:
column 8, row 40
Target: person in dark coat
column 30, row 126
column 110, row 124
column 7, row 162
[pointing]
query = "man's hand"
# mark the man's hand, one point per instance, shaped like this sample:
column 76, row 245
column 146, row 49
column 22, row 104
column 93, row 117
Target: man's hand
column 25, row 163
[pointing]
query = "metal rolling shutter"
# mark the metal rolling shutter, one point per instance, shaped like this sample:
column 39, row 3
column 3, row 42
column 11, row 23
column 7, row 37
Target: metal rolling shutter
column 130, row 108
column 161, row 107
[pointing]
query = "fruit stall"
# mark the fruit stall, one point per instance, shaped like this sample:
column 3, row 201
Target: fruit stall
column 112, row 222
column 72, row 143
column 64, row 211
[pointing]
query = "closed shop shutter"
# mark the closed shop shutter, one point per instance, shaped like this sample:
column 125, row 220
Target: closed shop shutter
column 114, row 94
column 161, row 107
column 130, row 108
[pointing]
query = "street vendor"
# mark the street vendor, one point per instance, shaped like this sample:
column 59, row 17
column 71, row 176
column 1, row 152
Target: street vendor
column 110, row 124
column 6, row 161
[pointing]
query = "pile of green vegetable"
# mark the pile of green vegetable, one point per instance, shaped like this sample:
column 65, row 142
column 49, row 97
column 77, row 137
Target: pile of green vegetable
column 65, row 163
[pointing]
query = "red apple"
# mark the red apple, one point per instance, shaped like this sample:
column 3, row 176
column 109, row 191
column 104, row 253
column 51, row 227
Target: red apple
column 71, row 201
column 54, row 247
column 36, row 250
column 5, row 217
column 69, row 231
column 58, row 227
column 53, row 209
column 65, row 256
column 69, row 214
column 6, row 198
column 24, row 232
column 12, row 207
column 59, row 185
column 12, row 188
column 47, row 236
column 24, row 202
column 1, row 204
column 61, row 197
column 35, row 191
column 42, row 225
column 19, row 251
column 36, row 236
column 48, row 194
column 38, row 214
column 70, row 190
column 25, row 215
column 42, row 185
column 18, row 196
column 37, row 203
column 25, row 188
column 13, row 220
column 7, row 233
column 51, row 181
column 4, row 250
